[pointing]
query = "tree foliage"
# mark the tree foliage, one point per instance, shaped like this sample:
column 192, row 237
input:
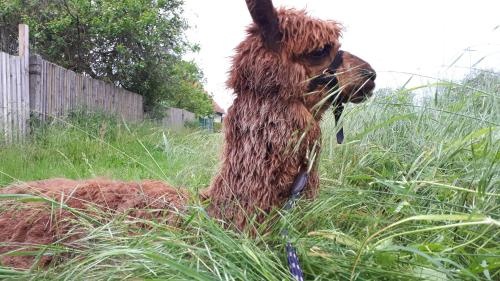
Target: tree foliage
column 189, row 92
column 137, row 44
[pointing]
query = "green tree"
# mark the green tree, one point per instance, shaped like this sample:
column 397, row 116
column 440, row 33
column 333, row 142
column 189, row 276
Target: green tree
column 188, row 93
column 136, row 44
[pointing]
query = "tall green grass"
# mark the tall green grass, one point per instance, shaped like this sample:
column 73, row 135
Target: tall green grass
column 412, row 194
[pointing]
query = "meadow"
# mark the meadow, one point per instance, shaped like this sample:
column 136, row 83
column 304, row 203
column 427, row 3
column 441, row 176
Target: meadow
column 412, row 194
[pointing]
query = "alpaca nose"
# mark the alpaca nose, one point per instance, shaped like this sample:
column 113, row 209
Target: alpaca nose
column 369, row 73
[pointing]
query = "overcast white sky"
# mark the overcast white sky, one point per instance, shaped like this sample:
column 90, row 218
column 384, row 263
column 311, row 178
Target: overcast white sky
column 423, row 37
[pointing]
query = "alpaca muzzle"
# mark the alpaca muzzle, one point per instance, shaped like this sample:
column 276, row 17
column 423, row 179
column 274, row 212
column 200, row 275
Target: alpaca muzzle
column 339, row 95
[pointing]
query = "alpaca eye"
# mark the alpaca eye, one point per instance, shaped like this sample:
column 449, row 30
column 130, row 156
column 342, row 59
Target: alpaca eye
column 320, row 53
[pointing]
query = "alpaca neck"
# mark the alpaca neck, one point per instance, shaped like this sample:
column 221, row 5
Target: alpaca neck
column 259, row 163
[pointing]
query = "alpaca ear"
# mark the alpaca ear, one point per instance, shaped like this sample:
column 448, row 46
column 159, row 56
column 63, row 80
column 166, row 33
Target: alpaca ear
column 265, row 16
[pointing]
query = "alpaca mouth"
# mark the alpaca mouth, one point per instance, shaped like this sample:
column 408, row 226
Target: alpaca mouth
column 363, row 93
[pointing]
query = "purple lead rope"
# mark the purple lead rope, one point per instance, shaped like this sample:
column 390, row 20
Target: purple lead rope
column 291, row 254
column 293, row 262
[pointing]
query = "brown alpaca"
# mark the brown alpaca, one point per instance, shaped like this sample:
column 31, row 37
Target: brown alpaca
column 281, row 75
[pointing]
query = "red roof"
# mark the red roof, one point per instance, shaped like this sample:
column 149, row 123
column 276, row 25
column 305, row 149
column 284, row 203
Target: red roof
column 217, row 108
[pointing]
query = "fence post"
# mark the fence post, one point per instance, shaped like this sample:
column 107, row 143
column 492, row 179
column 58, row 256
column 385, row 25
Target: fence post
column 24, row 55
column 35, row 72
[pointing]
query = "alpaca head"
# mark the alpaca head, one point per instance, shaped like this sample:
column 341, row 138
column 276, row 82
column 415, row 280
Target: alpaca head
column 289, row 55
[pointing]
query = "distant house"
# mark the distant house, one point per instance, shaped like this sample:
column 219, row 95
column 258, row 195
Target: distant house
column 218, row 112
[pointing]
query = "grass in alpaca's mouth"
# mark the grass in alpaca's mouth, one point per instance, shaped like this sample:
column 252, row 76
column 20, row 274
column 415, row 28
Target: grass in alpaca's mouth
column 413, row 190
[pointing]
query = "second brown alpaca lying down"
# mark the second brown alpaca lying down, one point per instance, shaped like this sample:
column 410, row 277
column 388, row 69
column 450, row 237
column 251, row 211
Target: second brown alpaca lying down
column 38, row 224
column 286, row 73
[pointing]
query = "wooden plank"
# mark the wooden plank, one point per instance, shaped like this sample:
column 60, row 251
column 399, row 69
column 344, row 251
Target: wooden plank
column 105, row 100
column 13, row 98
column 48, row 86
column 123, row 101
column 114, row 105
column 118, row 103
column 83, row 93
column 72, row 87
column 58, row 90
column 68, row 93
column 132, row 107
column 44, row 93
column 17, row 117
column 64, row 91
column 124, row 105
column 53, row 83
column 95, row 89
column 17, row 109
column 50, row 89
column 10, row 98
column 91, row 93
column 55, row 90
column 39, row 101
column 107, row 88
column 135, row 117
column 82, row 88
column 20, row 99
column 136, row 111
column 141, row 108
column 77, row 102
column 109, row 98
column 60, row 93
column 72, row 91
column 36, row 83
column 8, row 91
column 102, row 92
column 114, row 90
column 25, row 98
column 1, row 97
column 80, row 102
column 88, row 92
column 98, row 96
column 3, row 93
column 129, row 107
column 53, row 86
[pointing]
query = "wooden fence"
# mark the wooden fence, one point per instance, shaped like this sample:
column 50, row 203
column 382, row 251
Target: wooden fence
column 55, row 91
column 31, row 85
column 176, row 117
